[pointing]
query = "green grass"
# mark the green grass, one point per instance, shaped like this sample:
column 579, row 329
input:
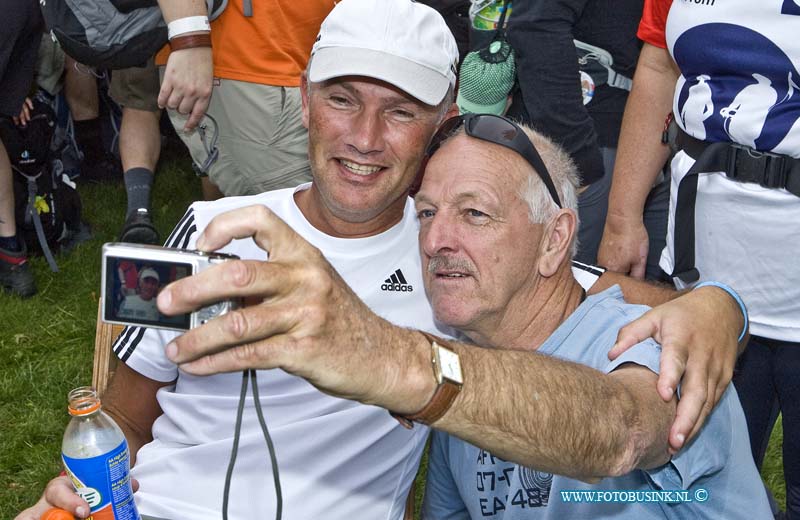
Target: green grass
column 772, row 470
column 46, row 342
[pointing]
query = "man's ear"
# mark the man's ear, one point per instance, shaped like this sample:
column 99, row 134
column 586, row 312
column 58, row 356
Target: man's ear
column 304, row 86
column 557, row 242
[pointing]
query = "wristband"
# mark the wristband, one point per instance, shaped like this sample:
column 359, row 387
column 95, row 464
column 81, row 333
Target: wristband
column 187, row 25
column 733, row 295
column 190, row 41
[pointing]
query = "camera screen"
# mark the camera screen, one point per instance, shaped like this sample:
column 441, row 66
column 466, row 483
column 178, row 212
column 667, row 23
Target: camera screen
column 132, row 286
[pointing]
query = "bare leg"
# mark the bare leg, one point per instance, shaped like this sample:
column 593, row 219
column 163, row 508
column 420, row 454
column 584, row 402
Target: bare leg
column 8, row 226
column 15, row 274
column 80, row 89
column 139, row 139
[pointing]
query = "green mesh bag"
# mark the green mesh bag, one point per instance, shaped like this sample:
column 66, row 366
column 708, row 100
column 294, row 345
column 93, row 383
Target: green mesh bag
column 487, row 77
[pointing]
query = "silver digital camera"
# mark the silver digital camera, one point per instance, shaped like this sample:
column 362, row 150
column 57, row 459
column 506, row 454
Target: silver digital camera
column 134, row 274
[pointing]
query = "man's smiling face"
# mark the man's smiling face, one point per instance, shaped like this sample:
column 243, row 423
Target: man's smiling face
column 366, row 141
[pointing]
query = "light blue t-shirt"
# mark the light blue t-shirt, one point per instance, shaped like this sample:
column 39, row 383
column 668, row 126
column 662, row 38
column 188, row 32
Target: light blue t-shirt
column 716, row 468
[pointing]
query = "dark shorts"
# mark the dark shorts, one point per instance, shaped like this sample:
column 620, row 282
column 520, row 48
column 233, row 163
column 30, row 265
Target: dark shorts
column 136, row 87
column 19, row 42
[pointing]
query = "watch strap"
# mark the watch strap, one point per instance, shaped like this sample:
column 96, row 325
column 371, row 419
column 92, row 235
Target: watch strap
column 442, row 399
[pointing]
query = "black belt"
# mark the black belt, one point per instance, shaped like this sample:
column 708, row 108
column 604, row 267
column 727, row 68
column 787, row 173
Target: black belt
column 743, row 164
column 740, row 163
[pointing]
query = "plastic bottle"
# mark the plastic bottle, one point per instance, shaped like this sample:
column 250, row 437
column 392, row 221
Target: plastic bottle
column 96, row 458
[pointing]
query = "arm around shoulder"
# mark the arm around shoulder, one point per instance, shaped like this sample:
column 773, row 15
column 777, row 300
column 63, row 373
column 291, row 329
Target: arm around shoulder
column 636, row 291
column 695, row 354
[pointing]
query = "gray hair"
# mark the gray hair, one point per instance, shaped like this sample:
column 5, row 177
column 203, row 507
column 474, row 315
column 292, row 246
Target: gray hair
column 565, row 177
column 562, row 171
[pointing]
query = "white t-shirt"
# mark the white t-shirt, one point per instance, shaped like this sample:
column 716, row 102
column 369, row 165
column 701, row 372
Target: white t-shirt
column 739, row 62
column 134, row 307
column 338, row 459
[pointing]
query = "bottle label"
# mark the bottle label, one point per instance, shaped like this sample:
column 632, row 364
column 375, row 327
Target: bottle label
column 105, row 483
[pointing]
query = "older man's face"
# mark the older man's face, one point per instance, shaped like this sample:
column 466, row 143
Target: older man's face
column 479, row 249
column 366, row 142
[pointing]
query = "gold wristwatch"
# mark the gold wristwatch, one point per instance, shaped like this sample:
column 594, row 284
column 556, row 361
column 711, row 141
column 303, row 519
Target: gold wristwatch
column 449, row 378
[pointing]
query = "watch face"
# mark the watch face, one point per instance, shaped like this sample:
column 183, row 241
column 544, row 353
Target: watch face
column 450, row 365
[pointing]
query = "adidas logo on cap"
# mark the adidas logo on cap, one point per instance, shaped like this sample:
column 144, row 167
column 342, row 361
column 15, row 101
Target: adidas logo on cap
column 397, row 282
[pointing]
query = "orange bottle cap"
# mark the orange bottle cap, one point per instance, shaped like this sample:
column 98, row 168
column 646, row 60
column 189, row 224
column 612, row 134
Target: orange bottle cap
column 57, row 514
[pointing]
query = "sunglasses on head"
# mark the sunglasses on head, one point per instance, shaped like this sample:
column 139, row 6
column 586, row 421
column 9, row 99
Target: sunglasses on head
column 497, row 130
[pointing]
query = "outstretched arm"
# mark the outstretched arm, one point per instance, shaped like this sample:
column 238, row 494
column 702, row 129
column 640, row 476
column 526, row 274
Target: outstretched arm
column 311, row 324
column 565, row 418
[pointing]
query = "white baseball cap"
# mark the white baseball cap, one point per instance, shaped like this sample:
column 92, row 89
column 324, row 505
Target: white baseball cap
column 401, row 42
column 149, row 272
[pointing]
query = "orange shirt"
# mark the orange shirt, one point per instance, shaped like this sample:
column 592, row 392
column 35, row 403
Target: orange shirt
column 271, row 47
column 653, row 27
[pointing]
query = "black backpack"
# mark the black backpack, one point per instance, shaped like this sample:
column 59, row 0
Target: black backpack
column 47, row 204
column 111, row 34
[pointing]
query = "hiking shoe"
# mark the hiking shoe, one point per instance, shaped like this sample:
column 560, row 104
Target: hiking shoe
column 139, row 229
column 15, row 274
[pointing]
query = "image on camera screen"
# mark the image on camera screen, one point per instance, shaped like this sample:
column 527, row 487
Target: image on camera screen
column 132, row 286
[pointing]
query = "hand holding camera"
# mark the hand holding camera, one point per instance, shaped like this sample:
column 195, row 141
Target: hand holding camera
column 133, row 275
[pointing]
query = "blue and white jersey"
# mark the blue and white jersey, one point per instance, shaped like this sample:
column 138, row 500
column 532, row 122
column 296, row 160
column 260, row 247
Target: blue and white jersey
column 740, row 82
column 739, row 63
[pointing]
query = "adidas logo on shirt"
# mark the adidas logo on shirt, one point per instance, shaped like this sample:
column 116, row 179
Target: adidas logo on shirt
column 397, row 282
